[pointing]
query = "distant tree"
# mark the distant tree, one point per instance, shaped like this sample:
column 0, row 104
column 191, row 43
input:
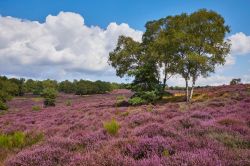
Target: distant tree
column 67, row 87
column 49, row 95
column 235, row 81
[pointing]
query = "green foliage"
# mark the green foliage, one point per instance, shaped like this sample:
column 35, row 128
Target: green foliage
column 235, row 81
column 230, row 141
column 36, row 108
column 165, row 153
column 19, row 140
column 136, row 101
column 120, row 100
column 111, row 127
column 49, row 95
column 67, row 87
column 188, row 44
column 3, row 106
column 68, row 103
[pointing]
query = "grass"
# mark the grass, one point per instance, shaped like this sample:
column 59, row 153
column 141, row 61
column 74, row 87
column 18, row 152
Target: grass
column 37, row 99
column 228, row 122
column 12, row 143
column 36, row 108
column 68, row 103
column 149, row 108
column 111, row 127
column 230, row 141
column 19, row 139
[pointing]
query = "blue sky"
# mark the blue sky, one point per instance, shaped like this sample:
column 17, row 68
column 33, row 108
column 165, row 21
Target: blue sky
column 101, row 13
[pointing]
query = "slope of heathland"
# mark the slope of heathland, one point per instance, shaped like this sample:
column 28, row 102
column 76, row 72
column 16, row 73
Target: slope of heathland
column 92, row 130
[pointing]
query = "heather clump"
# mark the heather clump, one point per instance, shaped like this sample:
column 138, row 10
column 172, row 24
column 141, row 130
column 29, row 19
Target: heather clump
column 188, row 122
column 148, row 147
column 139, row 119
column 229, row 122
column 43, row 156
column 231, row 141
column 154, row 129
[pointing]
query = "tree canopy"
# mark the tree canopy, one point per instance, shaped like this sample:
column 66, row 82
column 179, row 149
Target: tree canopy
column 191, row 45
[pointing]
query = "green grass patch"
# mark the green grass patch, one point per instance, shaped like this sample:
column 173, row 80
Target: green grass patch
column 37, row 99
column 19, row 139
column 68, row 103
column 36, row 108
column 230, row 141
column 112, row 126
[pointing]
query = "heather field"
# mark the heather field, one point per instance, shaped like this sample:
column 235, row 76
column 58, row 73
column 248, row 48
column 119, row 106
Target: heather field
column 213, row 130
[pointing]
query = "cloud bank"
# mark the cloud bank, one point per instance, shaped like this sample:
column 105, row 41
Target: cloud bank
column 63, row 46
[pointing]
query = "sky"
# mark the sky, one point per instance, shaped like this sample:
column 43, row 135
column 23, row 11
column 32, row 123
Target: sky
column 71, row 39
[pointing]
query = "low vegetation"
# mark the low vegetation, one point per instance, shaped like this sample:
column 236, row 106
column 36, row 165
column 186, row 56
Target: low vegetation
column 112, row 126
column 36, row 108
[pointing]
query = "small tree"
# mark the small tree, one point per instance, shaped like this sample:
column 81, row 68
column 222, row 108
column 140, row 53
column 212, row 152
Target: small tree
column 49, row 95
column 235, row 81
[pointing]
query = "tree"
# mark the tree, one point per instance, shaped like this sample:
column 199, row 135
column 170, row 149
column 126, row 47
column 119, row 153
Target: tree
column 235, row 81
column 190, row 45
column 134, row 59
column 201, row 44
column 49, row 95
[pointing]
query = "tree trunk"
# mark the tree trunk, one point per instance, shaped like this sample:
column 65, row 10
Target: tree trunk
column 191, row 93
column 164, row 82
column 187, row 97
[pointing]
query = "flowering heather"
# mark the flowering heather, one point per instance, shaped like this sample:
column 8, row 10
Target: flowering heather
column 213, row 130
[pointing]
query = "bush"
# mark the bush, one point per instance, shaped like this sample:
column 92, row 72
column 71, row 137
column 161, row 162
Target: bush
column 136, row 101
column 3, row 106
column 111, row 127
column 49, row 95
column 15, row 140
column 150, row 96
column 235, row 81
column 68, row 103
column 36, row 108
column 120, row 101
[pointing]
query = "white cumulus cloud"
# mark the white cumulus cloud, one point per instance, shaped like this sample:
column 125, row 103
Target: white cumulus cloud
column 63, row 47
column 62, row 44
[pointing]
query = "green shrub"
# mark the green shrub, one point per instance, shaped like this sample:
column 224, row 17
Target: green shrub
column 3, row 105
column 136, row 101
column 19, row 140
column 49, row 95
column 230, row 141
column 68, row 103
column 111, row 127
column 120, row 100
column 15, row 140
column 36, row 108
column 150, row 96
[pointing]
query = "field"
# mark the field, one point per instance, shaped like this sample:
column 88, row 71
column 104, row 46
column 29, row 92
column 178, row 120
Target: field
column 93, row 130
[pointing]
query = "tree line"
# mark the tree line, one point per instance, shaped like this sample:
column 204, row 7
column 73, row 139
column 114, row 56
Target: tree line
column 189, row 45
column 49, row 88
